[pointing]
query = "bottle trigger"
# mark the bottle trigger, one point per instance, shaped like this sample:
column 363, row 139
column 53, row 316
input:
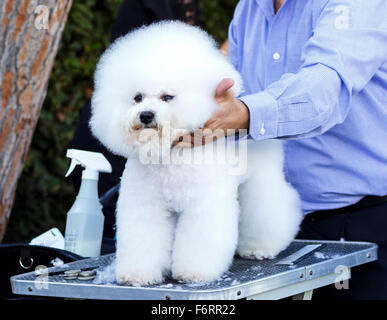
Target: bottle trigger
column 73, row 164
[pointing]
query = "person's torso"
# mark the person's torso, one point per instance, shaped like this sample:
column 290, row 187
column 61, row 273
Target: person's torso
column 349, row 161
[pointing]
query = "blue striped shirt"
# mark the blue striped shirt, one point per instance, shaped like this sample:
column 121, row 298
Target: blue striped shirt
column 315, row 75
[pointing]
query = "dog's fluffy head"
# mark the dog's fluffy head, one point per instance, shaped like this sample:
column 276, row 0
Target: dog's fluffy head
column 163, row 74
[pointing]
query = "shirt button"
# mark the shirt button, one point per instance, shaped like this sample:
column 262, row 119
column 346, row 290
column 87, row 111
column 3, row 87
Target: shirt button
column 276, row 56
column 262, row 131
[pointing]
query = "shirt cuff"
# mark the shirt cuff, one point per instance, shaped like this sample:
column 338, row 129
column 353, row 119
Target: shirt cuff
column 263, row 110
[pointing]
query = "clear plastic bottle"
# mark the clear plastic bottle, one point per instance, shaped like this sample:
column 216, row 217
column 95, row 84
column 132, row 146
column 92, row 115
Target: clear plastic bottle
column 85, row 220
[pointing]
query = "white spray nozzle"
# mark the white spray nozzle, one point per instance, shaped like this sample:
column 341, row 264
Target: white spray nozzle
column 93, row 162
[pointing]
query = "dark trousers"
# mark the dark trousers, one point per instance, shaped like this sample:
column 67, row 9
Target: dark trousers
column 368, row 281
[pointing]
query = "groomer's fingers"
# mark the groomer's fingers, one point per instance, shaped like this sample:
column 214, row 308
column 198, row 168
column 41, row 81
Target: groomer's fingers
column 198, row 138
column 212, row 123
column 178, row 134
column 190, row 141
column 223, row 91
column 179, row 144
column 183, row 139
column 206, row 135
column 215, row 122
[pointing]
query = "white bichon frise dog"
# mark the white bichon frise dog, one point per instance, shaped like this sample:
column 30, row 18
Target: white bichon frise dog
column 184, row 219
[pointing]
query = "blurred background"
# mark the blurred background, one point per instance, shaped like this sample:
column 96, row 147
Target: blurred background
column 44, row 195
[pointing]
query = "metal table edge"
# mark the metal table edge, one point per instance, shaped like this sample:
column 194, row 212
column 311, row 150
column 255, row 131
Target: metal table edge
column 238, row 291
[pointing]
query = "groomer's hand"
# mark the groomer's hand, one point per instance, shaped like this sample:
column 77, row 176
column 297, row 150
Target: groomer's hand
column 232, row 114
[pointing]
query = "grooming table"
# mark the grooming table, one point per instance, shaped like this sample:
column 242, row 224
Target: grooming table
column 251, row 279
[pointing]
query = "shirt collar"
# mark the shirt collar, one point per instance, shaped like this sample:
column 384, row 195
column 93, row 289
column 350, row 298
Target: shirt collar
column 267, row 6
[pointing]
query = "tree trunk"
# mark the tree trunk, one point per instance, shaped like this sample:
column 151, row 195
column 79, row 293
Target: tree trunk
column 30, row 31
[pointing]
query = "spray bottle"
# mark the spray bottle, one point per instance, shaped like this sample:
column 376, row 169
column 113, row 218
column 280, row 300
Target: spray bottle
column 85, row 220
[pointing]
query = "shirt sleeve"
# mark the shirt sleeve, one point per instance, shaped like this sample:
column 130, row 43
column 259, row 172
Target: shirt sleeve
column 232, row 38
column 348, row 46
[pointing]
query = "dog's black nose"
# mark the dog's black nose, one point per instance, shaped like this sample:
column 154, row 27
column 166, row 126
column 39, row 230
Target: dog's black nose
column 147, row 117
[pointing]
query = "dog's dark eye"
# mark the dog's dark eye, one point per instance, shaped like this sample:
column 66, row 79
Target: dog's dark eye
column 138, row 98
column 166, row 97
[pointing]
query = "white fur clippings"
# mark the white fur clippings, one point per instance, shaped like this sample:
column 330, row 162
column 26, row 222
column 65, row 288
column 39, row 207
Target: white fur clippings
column 179, row 218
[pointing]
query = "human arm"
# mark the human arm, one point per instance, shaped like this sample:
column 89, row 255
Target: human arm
column 346, row 49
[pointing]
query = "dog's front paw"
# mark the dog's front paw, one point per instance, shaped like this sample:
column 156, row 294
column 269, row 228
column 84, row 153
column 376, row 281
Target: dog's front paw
column 199, row 268
column 199, row 273
column 254, row 253
column 194, row 277
column 138, row 278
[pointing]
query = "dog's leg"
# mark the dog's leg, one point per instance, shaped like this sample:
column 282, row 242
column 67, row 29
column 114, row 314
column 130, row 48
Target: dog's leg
column 144, row 233
column 206, row 236
column 270, row 208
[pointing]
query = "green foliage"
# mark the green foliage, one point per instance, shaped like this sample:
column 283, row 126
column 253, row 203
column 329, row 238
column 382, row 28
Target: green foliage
column 44, row 196
column 215, row 17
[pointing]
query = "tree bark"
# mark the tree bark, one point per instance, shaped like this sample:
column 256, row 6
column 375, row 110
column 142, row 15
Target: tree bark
column 30, row 31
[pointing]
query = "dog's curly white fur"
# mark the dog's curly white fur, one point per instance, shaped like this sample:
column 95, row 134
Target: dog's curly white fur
column 176, row 218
